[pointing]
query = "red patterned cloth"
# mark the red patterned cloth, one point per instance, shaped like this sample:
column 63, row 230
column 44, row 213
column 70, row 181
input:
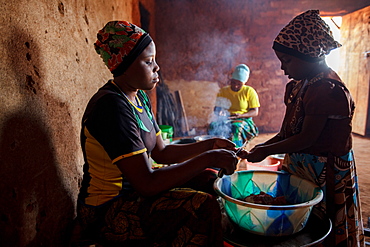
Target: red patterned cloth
column 183, row 216
column 119, row 43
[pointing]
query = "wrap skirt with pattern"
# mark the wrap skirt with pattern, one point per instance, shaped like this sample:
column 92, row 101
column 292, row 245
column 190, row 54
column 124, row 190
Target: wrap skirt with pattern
column 337, row 177
column 179, row 217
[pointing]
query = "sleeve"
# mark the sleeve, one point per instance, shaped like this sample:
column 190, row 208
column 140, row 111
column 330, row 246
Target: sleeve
column 114, row 126
column 253, row 98
column 327, row 98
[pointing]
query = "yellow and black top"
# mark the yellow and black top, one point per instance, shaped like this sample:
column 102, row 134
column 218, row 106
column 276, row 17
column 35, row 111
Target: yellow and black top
column 113, row 128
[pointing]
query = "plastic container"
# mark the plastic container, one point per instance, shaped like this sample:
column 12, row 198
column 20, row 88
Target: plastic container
column 167, row 133
column 278, row 157
column 268, row 220
column 268, row 164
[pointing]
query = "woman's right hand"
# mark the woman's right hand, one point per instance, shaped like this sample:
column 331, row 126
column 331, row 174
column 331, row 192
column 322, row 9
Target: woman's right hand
column 224, row 159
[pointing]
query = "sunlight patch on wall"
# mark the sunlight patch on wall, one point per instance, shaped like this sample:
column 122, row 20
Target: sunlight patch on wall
column 333, row 59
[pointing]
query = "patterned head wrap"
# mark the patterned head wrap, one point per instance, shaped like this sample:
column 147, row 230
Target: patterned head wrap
column 307, row 36
column 119, row 44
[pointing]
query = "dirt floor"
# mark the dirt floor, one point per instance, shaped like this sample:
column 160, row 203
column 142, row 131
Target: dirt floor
column 361, row 147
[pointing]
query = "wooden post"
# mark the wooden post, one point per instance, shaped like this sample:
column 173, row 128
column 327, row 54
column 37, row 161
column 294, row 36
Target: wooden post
column 184, row 121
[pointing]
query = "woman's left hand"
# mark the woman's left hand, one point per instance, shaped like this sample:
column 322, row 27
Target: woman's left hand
column 243, row 154
column 235, row 116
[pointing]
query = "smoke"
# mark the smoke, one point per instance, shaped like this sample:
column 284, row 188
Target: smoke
column 220, row 123
column 223, row 103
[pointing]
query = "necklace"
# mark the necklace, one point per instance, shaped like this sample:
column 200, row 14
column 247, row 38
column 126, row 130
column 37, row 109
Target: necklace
column 300, row 86
column 296, row 88
column 138, row 106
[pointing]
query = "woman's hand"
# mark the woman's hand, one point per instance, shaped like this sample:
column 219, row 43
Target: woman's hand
column 257, row 154
column 252, row 112
column 223, row 143
column 242, row 153
column 235, row 116
column 224, row 159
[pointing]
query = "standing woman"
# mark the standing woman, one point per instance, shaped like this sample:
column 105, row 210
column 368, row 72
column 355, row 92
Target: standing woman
column 122, row 200
column 316, row 130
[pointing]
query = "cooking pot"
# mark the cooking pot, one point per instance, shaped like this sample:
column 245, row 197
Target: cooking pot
column 184, row 141
column 206, row 137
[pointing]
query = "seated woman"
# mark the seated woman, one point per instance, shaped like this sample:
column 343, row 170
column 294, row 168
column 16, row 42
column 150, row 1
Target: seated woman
column 122, row 200
column 235, row 106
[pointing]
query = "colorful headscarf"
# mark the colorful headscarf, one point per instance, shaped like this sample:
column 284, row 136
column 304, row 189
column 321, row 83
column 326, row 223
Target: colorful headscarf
column 119, row 44
column 307, row 36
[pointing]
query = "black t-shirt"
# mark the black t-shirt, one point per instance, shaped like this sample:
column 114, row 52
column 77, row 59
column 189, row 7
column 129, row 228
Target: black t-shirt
column 113, row 128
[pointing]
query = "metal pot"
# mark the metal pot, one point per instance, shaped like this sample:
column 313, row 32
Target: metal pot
column 184, row 141
column 206, row 137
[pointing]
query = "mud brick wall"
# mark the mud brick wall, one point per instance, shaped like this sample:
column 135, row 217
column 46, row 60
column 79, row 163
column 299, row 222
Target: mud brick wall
column 200, row 42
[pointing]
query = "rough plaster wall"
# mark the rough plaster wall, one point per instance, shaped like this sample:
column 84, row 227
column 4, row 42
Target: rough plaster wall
column 209, row 38
column 49, row 70
column 355, row 72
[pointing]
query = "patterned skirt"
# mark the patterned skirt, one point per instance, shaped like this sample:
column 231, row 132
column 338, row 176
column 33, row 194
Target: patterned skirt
column 243, row 129
column 337, row 177
column 238, row 130
column 179, row 217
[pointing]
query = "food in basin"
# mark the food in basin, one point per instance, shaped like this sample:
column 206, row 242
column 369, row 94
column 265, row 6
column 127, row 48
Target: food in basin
column 268, row 220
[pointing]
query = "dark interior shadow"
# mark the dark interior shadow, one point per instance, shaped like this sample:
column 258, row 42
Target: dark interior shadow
column 36, row 206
